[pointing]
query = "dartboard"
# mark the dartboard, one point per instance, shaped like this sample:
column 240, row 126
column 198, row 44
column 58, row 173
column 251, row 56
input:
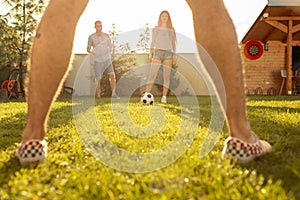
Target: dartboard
column 253, row 50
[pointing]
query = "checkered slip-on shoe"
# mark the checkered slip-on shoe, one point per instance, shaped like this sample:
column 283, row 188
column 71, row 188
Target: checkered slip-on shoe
column 244, row 152
column 32, row 151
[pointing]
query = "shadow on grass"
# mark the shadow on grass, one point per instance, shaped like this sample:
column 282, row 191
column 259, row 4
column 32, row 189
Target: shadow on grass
column 11, row 128
column 8, row 169
column 277, row 167
column 10, row 138
column 272, row 98
column 283, row 163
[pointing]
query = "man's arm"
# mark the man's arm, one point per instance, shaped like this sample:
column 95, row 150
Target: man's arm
column 89, row 45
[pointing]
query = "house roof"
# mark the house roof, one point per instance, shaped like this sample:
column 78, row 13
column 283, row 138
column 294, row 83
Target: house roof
column 282, row 10
column 283, row 2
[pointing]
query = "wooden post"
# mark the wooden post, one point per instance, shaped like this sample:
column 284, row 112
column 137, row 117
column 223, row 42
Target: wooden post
column 289, row 29
column 289, row 47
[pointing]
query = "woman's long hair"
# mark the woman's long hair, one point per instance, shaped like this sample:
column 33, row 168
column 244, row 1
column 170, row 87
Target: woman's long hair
column 169, row 23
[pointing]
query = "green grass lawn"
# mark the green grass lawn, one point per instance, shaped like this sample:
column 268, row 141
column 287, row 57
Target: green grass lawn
column 86, row 163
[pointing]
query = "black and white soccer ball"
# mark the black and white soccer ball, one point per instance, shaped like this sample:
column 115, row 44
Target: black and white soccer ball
column 147, row 98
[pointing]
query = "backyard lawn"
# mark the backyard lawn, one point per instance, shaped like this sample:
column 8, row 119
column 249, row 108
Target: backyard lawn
column 88, row 152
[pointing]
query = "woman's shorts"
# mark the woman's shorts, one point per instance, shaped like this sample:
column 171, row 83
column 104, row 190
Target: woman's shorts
column 101, row 68
column 161, row 54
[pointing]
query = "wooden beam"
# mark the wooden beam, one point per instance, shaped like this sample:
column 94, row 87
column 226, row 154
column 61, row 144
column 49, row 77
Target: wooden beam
column 278, row 25
column 290, row 29
column 281, row 18
column 296, row 42
column 266, row 38
column 296, row 28
column 289, row 47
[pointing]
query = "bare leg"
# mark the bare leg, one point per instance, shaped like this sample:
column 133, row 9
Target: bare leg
column 112, row 81
column 153, row 73
column 167, row 72
column 50, row 59
column 219, row 39
column 98, row 88
column 215, row 32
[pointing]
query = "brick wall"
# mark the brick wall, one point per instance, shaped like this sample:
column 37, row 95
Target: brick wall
column 265, row 71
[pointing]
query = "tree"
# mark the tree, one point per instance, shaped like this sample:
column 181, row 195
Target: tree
column 114, row 35
column 124, row 59
column 144, row 38
column 16, row 31
column 7, row 54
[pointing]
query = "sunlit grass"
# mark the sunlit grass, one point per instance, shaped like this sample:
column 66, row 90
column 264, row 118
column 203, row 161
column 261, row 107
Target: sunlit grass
column 73, row 171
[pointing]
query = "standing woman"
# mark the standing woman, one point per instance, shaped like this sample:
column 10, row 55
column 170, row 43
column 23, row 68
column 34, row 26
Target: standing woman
column 162, row 52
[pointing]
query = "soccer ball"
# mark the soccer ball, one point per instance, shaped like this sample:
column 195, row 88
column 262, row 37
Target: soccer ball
column 147, row 98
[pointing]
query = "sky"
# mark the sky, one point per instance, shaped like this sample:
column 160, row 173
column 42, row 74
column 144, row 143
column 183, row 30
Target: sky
column 131, row 16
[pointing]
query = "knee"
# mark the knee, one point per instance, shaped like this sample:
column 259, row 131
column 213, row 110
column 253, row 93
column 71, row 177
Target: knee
column 112, row 77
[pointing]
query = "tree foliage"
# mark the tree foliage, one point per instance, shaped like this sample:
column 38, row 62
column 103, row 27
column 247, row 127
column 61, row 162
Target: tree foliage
column 143, row 42
column 16, row 30
column 124, row 60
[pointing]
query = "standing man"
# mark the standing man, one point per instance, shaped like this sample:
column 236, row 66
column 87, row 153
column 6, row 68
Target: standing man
column 99, row 44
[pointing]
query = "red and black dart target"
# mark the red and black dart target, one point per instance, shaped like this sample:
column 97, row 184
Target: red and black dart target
column 253, row 50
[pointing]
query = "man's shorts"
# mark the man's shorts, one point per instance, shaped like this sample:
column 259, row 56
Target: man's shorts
column 101, row 68
column 161, row 54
